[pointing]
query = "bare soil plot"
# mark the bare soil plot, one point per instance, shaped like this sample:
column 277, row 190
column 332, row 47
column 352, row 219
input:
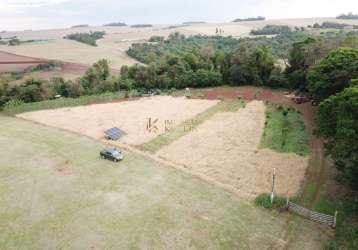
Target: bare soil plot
column 67, row 70
column 131, row 116
column 250, row 93
column 226, row 149
column 10, row 62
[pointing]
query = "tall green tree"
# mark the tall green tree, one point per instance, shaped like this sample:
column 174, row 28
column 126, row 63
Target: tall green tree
column 96, row 79
column 298, row 67
column 337, row 122
column 333, row 73
column 263, row 63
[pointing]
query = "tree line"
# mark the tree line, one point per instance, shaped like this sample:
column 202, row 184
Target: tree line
column 349, row 16
column 271, row 30
column 259, row 18
column 87, row 38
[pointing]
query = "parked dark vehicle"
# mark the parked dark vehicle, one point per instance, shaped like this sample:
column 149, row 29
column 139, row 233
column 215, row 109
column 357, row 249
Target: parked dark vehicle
column 112, row 154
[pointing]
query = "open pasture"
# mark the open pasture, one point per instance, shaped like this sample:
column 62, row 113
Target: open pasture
column 65, row 187
column 56, row 193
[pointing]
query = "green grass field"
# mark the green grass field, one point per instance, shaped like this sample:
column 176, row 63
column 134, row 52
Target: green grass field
column 285, row 131
column 68, row 102
column 56, row 193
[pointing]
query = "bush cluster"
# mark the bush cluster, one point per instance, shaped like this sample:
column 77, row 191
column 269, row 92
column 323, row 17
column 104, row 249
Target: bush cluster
column 87, row 38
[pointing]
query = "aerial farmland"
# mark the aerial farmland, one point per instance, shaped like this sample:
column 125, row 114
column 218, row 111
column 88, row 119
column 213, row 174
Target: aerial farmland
column 221, row 134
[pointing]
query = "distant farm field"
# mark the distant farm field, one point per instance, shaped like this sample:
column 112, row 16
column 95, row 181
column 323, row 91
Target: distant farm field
column 118, row 39
column 10, row 62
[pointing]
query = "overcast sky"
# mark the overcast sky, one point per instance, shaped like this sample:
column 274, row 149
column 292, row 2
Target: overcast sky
column 44, row 14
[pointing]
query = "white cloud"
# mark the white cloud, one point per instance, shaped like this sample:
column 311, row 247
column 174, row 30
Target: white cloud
column 56, row 13
column 15, row 5
column 307, row 8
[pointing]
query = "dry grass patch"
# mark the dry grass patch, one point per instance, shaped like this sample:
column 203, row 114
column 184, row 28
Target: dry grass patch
column 181, row 130
column 226, row 148
column 130, row 116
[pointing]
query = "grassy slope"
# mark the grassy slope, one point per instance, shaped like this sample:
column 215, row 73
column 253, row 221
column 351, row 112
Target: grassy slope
column 296, row 138
column 179, row 131
column 56, row 193
column 68, row 102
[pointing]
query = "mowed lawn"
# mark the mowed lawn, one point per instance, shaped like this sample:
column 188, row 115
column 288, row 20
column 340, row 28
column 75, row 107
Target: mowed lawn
column 56, row 193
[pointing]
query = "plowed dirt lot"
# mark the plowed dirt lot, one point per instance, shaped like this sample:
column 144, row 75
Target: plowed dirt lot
column 131, row 116
column 226, row 148
column 10, row 62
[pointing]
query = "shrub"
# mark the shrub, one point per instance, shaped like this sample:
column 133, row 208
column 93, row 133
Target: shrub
column 264, row 200
column 14, row 42
column 157, row 39
column 157, row 92
column 271, row 30
column 44, row 66
column 13, row 103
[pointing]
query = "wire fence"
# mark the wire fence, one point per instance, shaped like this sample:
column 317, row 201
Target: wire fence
column 330, row 220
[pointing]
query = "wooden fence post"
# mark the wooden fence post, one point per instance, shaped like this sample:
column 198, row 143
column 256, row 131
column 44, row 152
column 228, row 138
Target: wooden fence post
column 335, row 219
column 273, row 186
